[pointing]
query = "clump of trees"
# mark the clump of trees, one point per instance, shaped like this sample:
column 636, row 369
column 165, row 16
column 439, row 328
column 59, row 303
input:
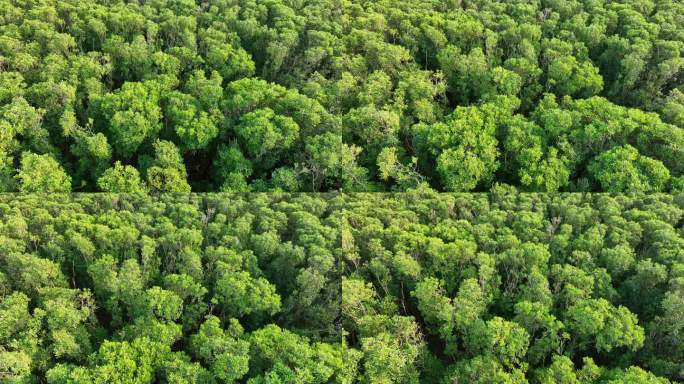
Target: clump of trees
column 514, row 288
column 244, row 95
column 101, row 288
column 334, row 288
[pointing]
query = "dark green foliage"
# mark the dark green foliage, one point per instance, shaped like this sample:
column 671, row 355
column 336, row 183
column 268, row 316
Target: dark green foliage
column 352, row 95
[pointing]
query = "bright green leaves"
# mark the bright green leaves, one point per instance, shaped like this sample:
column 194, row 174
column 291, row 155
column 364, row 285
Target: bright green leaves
column 69, row 313
column 14, row 366
column 538, row 166
column 437, row 309
column 240, row 294
column 96, row 84
column 667, row 328
column 19, row 340
column 465, row 148
column 614, row 148
column 331, row 162
column 481, row 370
column 31, row 335
column 170, row 289
column 434, row 288
column 116, row 362
column 110, row 290
column 390, row 358
column 504, row 341
column 232, row 169
column 166, row 172
column 250, row 94
column 283, row 140
column 623, row 169
column 195, row 127
column 230, row 62
column 121, row 179
column 266, row 135
column 195, row 114
column 163, row 304
column 673, row 109
column 374, row 129
column 470, row 303
column 513, row 288
column 131, row 60
column 568, row 74
column 461, row 170
column 192, row 294
column 42, row 173
column 596, row 322
column 390, row 166
column 6, row 171
column 546, row 332
column 222, row 53
column 358, row 300
column 450, row 318
column 30, row 273
column 11, row 85
column 635, row 375
column 390, row 345
column 420, row 94
column 223, row 350
column 132, row 115
column 280, row 356
column 94, row 153
column 471, row 78
column 18, row 118
column 562, row 371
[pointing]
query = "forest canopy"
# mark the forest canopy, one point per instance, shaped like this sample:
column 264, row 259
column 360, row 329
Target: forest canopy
column 100, row 288
column 282, row 288
column 352, row 95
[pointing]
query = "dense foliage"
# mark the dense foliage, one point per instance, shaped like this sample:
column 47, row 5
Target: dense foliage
column 507, row 288
column 359, row 95
column 332, row 288
column 129, row 290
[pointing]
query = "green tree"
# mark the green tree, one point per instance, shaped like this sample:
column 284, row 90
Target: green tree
column 266, row 136
column 41, row 173
column 166, row 172
column 464, row 148
column 195, row 127
column 132, row 115
column 597, row 322
column 222, row 350
column 121, row 179
column 623, row 169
